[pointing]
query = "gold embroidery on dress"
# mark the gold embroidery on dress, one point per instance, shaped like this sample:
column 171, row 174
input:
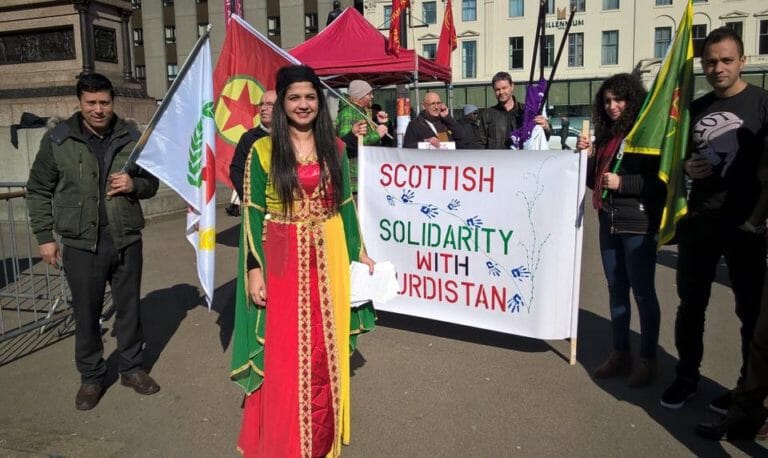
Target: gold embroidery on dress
column 309, row 216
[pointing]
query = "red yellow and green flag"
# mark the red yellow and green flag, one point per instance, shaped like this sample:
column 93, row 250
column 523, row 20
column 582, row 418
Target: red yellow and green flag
column 663, row 124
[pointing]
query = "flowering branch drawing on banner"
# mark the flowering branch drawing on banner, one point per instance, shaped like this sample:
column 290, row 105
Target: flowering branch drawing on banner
column 532, row 252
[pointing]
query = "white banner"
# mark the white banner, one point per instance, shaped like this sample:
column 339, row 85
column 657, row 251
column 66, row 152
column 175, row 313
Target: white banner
column 489, row 239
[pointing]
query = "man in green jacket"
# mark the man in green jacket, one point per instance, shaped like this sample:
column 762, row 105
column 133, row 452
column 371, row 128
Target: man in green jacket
column 77, row 188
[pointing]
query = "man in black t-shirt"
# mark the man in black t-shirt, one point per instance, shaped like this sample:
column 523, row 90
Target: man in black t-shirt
column 728, row 151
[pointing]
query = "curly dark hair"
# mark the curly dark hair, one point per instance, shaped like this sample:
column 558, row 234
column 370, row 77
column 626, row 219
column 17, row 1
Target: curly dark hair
column 284, row 163
column 624, row 87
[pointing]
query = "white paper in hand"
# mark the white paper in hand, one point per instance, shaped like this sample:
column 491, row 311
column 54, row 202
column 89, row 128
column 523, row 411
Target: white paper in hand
column 380, row 287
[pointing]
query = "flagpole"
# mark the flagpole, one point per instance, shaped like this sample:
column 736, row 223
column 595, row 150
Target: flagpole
column 164, row 104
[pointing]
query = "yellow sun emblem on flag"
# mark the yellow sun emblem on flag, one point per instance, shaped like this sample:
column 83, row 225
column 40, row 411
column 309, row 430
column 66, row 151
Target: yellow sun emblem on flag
column 207, row 239
column 237, row 108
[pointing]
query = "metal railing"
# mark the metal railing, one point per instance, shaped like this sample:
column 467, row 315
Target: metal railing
column 33, row 295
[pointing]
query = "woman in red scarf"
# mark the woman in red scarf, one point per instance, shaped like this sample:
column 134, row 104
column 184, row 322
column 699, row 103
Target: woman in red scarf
column 629, row 201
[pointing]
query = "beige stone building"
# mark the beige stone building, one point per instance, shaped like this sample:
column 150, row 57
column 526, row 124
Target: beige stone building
column 164, row 31
column 607, row 37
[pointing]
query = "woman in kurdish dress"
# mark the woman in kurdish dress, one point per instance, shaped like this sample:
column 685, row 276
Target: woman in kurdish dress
column 294, row 329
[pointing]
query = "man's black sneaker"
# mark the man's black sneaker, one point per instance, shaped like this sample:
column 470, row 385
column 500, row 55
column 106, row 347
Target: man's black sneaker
column 721, row 404
column 678, row 392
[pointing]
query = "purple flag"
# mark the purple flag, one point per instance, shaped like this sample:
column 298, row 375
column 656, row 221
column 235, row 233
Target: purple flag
column 533, row 98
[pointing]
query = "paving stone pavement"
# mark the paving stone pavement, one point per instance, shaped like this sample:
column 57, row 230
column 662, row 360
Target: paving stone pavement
column 419, row 389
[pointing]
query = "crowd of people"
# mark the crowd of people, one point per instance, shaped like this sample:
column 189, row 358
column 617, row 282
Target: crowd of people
column 299, row 233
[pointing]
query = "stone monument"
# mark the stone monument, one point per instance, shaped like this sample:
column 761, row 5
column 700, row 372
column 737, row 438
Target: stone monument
column 44, row 46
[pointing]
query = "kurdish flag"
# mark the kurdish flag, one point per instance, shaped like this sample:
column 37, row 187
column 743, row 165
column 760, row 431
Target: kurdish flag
column 177, row 148
column 246, row 69
column 663, row 124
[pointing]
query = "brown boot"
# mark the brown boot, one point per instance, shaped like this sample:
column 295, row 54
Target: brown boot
column 618, row 363
column 644, row 373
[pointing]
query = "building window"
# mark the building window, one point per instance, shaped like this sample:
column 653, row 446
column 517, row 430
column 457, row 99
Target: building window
column 548, row 51
column 170, row 34
column 610, row 4
column 468, row 59
column 273, row 26
column 515, row 53
column 138, row 37
column 172, row 70
column 201, row 28
column 469, row 10
column 136, row 4
column 310, row 23
column 429, row 50
column 387, row 15
column 698, row 33
column 700, row 1
column 610, row 52
column 550, row 6
column 516, row 8
column 429, row 12
column 575, row 49
column 762, row 38
column 141, row 72
column 736, row 26
column 580, row 5
column 663, row 2
column 167, row 2
column 662, row 38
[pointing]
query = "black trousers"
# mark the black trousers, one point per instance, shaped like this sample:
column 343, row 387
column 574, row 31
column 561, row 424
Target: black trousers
column 748, row 398
column 88, row 274
column 701, row 243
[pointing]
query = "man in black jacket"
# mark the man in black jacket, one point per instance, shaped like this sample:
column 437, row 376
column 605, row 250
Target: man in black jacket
column 501, row 119
column 433, row 125
column 243, row 148
column 473, row 135
column 78, row 189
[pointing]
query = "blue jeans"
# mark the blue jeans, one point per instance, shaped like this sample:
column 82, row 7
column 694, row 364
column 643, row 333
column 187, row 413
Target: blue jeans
column 629, row 261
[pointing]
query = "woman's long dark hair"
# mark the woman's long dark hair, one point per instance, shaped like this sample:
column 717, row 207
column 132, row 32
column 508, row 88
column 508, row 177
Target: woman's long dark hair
column 625, row 87
column 283, row 168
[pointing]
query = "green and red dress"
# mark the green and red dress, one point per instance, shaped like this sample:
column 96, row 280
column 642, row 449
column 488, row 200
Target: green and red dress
column 293, row 362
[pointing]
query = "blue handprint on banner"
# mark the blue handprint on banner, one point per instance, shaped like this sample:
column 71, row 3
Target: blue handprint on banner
column 515, row 303
column 407, row 196
column 454, row 204
column 520, row 272
column 391, row 200
column 475, row 221
column 429, row 210
column 493, row 268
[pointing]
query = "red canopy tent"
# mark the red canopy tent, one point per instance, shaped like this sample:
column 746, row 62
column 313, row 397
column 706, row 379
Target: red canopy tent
column 351, row 48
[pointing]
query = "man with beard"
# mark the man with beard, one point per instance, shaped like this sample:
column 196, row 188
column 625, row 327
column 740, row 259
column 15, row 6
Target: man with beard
column 433, row 125
column 501, row 119
column 725, row 216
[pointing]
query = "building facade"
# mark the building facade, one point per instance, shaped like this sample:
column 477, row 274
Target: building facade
column 607, row 37
column 164, row 31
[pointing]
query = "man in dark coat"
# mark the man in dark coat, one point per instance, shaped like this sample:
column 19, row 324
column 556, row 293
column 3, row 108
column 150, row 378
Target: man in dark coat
column 80, row 187
column 433, row 125
column 473, row 136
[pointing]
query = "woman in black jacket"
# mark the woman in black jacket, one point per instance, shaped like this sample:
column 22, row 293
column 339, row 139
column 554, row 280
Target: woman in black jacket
column 629, row 201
